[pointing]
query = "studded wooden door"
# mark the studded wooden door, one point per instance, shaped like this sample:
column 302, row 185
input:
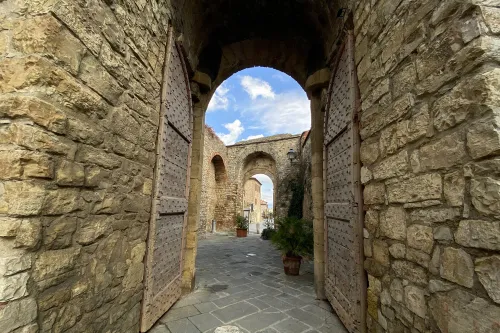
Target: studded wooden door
column 169, row 212
column 345, row 284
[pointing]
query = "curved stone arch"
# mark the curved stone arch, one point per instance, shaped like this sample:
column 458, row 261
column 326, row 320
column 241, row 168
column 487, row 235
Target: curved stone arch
column 270, row 171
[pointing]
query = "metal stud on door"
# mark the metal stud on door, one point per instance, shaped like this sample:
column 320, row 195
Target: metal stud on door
column 345, row 284
column 169, row 212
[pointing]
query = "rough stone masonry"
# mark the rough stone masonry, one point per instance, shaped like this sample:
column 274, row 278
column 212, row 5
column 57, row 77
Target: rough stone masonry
column 80, row 87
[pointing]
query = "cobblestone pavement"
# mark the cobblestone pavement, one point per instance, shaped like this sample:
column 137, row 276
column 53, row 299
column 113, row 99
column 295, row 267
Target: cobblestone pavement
column 240, row 282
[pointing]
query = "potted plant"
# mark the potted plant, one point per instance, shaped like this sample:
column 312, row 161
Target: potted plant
column 241, row 226
column 294, row 238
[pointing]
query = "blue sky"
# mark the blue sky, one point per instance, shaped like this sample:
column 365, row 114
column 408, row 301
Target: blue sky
column 258, row 102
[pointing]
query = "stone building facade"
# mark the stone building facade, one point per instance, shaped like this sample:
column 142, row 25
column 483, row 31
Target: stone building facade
column 80, row 96
column 251, row 200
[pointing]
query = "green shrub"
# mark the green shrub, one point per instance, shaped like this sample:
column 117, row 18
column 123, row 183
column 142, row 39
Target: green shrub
column 267, row 233
column 294, row 237
column 241, row 222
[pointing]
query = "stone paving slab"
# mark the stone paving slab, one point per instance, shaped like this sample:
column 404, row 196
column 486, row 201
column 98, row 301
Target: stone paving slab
column 240, row 282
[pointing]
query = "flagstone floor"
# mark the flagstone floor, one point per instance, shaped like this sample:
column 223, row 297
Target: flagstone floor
column 240, row 282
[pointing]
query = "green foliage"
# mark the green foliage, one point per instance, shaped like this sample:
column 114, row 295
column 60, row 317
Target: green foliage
column 294, row 237
column 267, row 233
column 296, row 203
column 241, row 222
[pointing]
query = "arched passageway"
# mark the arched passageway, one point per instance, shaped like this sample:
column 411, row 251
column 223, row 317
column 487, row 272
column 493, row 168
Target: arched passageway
column 98, row 100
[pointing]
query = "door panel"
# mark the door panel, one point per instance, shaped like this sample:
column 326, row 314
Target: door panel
column 344, row 274
column 169, row 213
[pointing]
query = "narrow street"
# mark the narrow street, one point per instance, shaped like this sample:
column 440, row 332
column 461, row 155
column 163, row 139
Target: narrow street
column 240, row 282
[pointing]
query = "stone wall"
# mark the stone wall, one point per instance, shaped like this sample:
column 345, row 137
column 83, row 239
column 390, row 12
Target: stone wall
column 79, row 105
column 214, row 195
column 429, row 81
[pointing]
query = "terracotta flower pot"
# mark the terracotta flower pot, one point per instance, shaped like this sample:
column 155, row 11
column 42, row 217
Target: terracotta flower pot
column 292, row 265
column 241, row 232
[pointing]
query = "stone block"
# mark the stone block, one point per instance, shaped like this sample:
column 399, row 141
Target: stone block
column 51, row 264
column 444, row 153
column 41, row 112
column 436, row 286
column 17, row 313
column 420, row 237
column 9, row 226
column 479, row 234
column 36, row 139
column 483, row 137
column 397, row 290
column 70, row 173
column 454, row 187
column 46, row 35
column 457, row 266
column 93, row 228
column 488, row 271
column 415, row 300
column 369, row 152
column 398, row 250
column 491, row 16
column 393, row 223
column 88, row 154
column 460, row 311
column 97, row 78
column 371, row 221
column 13, row 287
column 381, row 252
column 410, row 271
column 29, row 234
column 419, row 188
column 435, row 262
column 443, row 233
column 418, row 257
column 485, row 192
column 393, row 166
column 404, row 79
column 59, row 233
column 432, row 215
column 62, row 201
column 398, row 135
column 14, row 262
column 374, row 193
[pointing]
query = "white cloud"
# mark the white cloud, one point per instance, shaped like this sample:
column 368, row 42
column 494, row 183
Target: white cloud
column 266, row 189
column 256, row 87
column 281, row 77
column 235, row 130
column 220, row 99
column 251, row 137
column 288, row 112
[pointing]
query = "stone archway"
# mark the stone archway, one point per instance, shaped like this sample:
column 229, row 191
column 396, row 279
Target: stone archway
column 80, row 108
column 214, row 205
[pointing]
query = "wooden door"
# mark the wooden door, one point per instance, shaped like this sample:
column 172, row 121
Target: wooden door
column 169, row 212
column 345, row 282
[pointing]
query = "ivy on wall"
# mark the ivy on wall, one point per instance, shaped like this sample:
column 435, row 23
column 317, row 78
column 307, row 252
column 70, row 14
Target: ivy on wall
column 297, row 200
